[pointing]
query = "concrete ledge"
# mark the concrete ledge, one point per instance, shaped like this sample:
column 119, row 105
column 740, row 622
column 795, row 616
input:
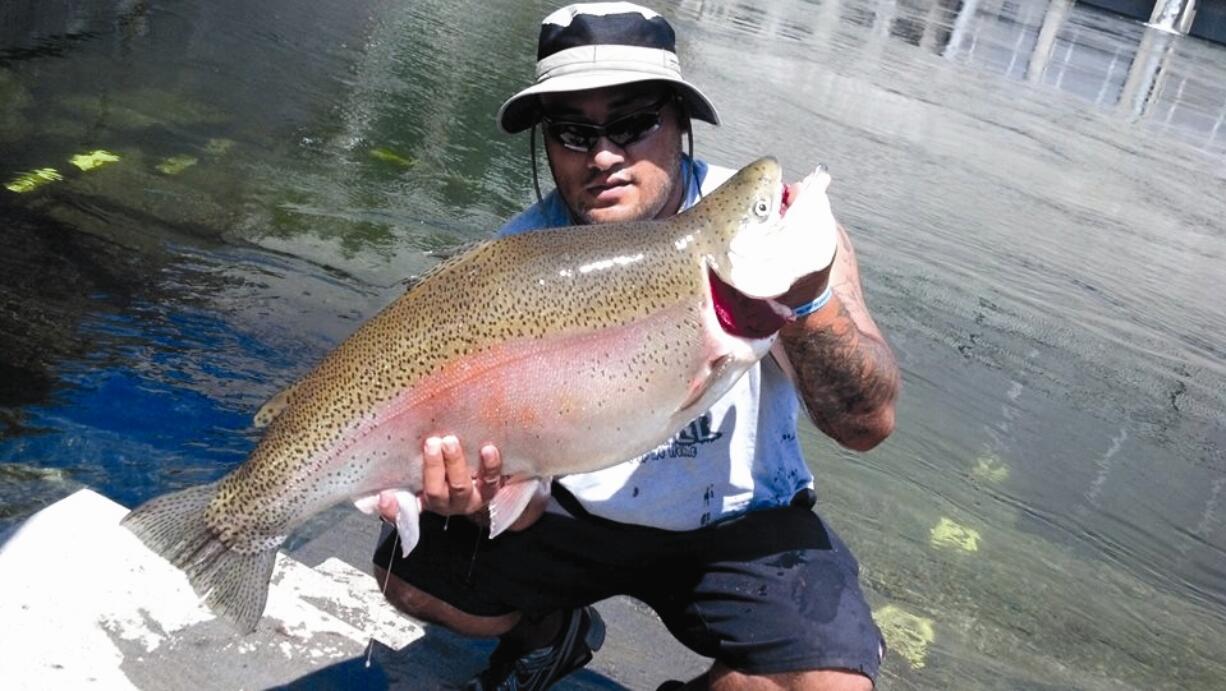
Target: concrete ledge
column 85, row 604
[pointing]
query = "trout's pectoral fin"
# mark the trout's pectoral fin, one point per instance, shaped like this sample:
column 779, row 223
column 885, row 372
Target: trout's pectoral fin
column 273, row 407
column 512, row 499
column 707, row 376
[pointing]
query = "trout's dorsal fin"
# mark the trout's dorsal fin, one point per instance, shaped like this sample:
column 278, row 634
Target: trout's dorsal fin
column 274, row 406
column 446, row 257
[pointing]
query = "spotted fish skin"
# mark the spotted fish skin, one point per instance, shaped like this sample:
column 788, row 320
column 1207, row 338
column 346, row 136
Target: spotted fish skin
column 571, row 349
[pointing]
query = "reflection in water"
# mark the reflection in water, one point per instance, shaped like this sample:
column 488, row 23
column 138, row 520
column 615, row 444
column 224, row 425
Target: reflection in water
column 1025, row 180
column 1076, row 49
column 1095, row 56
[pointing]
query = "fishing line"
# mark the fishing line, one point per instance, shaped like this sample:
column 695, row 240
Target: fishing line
column 472, row 562
column 387, row 578
column 689, row 135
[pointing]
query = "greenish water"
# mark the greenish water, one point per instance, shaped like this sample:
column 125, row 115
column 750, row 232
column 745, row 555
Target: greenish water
column 1035, row 191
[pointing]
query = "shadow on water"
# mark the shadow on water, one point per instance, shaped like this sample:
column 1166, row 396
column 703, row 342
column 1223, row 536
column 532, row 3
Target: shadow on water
column 151, row 388
column 49, row 265
column 1029, row 183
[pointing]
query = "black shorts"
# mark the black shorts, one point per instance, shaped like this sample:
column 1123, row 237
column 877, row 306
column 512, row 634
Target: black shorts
column 764, row 593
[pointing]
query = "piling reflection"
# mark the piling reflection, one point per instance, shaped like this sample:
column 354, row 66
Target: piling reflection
column 1152, row 76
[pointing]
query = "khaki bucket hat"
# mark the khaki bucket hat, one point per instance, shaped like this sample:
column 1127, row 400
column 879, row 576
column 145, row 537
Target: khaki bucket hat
column 593, row 45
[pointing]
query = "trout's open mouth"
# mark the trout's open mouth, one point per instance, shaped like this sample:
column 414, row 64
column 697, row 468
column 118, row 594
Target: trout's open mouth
column 744, row 316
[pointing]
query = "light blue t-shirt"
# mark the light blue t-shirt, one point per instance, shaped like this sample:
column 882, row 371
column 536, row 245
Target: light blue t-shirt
column 741, row 455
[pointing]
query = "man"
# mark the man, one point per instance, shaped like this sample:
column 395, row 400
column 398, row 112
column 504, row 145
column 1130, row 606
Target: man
column 715, row 530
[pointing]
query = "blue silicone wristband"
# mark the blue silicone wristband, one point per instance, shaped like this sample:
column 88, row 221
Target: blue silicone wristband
column 811, row 307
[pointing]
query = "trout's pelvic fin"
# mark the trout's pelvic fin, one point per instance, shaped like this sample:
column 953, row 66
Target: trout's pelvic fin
column 408, row 516
column 408, row 521
column 233, row 585
column 273, row 407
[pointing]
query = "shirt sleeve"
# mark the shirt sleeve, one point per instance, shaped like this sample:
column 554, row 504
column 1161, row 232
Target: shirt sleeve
column 703, row 176
column 550, row 212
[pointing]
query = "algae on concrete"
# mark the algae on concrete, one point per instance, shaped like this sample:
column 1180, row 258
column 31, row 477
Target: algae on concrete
column 948, row 534
column 905, row 633
column 28, row 182
column 93, row 159
column 218, row 146
column 389, row 156
column 174, row 165
column 989, row 468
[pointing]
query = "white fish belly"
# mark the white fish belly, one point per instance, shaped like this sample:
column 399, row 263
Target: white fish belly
column 556, row 406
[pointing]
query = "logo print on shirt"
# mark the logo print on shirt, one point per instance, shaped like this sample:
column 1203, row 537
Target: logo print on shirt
column 687, row 441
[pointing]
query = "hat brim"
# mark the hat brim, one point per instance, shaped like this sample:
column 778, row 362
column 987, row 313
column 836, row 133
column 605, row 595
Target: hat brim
column 520, row 111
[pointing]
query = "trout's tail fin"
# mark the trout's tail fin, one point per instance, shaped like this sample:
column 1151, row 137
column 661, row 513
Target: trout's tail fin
column 234, row 585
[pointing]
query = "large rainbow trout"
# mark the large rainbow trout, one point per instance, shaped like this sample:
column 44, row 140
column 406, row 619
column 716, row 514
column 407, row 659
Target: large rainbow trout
column 570, row 349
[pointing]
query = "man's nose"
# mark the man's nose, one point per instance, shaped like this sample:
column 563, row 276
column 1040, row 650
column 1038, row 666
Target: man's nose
column 605, row 154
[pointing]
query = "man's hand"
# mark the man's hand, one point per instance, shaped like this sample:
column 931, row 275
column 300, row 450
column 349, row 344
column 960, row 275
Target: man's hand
column 842, row 365
column 806, row 289
column 449, row 488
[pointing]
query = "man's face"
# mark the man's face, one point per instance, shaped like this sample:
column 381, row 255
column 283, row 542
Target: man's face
column 612, row 183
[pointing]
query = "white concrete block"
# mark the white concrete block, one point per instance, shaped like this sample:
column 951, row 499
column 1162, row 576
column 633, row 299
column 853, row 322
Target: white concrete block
column 84, row 602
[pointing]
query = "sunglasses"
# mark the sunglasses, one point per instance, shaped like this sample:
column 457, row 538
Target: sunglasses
column 624, row 131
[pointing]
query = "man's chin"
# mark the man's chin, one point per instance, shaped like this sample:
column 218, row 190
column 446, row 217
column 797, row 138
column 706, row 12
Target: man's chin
column 622, row 212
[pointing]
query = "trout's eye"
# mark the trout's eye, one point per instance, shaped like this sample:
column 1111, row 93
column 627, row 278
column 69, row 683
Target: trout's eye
column 761, row 208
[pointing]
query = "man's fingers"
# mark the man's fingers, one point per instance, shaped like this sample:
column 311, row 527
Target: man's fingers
column 458, row 477
column 449, row 486
column 490, row 478
column 388, row 508
column 491, row 465
column 434, row 488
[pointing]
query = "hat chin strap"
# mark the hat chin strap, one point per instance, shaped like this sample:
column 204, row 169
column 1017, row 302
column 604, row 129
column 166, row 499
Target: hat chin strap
column 689, row 136
column 536, row 183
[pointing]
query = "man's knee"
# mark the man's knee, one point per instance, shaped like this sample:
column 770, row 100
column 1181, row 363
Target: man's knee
column 421, row 605
column 722, row 678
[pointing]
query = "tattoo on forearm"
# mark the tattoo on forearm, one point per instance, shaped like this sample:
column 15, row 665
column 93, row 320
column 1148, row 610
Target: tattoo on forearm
column 846, row 377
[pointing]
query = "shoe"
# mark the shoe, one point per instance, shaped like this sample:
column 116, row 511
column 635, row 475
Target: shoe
column 535, row 670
